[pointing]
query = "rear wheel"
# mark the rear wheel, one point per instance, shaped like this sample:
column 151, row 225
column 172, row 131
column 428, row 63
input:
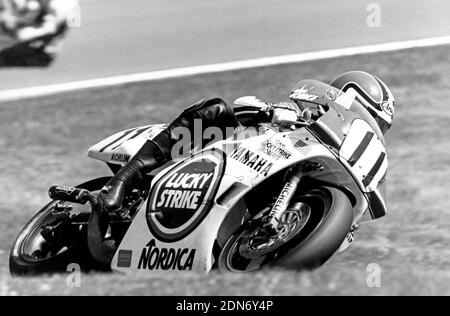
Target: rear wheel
column 55, row 237
column 310, row 231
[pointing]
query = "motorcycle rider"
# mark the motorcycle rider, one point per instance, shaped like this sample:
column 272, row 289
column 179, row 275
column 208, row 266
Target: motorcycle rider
column 32, row 20
column 367, row 89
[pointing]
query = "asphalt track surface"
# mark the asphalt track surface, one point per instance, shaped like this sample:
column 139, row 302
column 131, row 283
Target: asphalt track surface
column 119, row 37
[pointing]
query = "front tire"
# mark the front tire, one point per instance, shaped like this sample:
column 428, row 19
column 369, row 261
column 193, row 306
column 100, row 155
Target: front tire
column 33, row 254
column 307, row 245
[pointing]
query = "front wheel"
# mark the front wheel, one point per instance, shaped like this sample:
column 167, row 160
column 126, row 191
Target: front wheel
column 310, row 231
column 55, row 238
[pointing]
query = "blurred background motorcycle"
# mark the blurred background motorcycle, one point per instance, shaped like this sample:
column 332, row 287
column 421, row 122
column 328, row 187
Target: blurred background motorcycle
column 33, row 30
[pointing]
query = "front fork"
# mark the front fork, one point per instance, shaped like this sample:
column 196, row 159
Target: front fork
column 288, row 192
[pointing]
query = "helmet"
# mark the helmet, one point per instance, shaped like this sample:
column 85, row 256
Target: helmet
column 25, row 6
column 371, row 92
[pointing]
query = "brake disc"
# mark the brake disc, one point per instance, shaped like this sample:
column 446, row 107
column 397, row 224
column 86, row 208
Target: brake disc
column 258, row 242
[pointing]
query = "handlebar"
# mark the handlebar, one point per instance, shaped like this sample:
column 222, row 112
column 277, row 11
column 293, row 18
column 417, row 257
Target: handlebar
column 292, row 124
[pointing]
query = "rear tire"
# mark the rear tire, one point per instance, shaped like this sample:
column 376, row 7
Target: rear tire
column 23, row 254
column 327, row 226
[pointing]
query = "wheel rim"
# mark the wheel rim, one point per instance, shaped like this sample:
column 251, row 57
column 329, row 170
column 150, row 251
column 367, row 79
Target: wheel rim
column 254, row 245
column 34, row 248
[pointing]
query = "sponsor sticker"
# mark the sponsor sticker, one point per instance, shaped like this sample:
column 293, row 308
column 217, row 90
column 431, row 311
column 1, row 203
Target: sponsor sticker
column 388, row 108
column 302, row 147
column 183, row 197
column 125, row 258
column 300, row 144
column 120, row 158
column 283, row 199
column 331, row 95
column 154, row 258
column 275, row 149
column 303, row 94
column 252, row 160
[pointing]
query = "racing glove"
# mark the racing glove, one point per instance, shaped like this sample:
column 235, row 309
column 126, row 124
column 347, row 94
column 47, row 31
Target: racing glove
column 285, row 111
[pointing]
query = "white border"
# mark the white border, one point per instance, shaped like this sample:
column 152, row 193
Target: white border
column 16, row 94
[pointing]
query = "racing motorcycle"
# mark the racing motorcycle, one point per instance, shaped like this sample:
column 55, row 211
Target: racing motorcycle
column 290, row 195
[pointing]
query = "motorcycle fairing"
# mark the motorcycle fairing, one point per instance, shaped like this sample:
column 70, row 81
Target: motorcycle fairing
column 121, row 147
column 356, row 137
column 147, row 249
column 365, row 155
column 240, row 176
column 146, row 252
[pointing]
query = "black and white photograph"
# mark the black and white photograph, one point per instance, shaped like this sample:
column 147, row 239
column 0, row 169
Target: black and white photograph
column 224, row 154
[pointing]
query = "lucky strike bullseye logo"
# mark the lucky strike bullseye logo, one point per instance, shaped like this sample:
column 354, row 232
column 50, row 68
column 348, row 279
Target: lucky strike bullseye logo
column 184, row 190
column 182, row 197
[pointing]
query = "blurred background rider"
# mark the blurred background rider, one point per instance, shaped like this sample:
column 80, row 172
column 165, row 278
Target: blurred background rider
column 36, row 25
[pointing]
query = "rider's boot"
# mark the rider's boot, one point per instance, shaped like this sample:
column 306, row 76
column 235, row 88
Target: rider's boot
column 148, row 158
column 157, row 151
